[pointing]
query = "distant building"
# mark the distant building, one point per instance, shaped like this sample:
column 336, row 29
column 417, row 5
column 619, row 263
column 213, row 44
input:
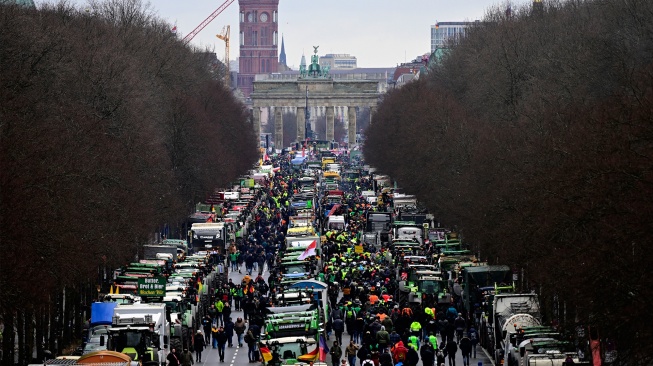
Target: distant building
column 442, row 32
column 340, row 61
column 258, row 37
column 409, row 71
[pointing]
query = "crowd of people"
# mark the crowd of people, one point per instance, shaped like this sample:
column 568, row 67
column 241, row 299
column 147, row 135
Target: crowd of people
column 363, row 283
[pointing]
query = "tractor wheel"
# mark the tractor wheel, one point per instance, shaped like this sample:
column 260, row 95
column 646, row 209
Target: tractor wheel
column 177, row 343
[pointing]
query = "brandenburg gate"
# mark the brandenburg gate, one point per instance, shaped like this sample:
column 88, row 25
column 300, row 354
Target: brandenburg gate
column 314, row 88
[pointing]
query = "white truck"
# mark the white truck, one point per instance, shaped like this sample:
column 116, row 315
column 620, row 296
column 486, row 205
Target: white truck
column 209, row 235
column 509, row 313
column 140, row 331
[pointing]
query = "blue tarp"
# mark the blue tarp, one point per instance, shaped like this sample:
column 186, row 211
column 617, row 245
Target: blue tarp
column 306, row 284
column 102, row 312
column 298, row 161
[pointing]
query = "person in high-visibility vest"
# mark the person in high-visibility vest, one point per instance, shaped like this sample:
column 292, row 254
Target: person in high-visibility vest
column 415, row 328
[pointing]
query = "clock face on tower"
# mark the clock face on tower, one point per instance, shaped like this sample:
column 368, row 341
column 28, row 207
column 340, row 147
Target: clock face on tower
column 250, row 17
column 264, row 17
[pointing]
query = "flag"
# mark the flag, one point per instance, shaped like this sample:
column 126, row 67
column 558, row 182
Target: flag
column 265, row 353
column 311, row 356
column 324, row 349
column 174, row 30
column 309, row 252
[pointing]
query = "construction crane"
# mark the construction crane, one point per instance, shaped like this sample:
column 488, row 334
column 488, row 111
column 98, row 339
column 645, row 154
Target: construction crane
column 206, row 21
column 224, row 35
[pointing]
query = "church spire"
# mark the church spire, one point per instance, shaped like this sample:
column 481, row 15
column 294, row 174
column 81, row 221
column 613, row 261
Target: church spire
column 282, row 54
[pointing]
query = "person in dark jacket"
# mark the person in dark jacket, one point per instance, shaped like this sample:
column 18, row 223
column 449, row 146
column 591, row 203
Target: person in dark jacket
column 465, row 346
column 198, row 345
column 412, row 358
column 359, row 328
column 368, row 340
column 206, row 325
column 451, row 348
column 172, row 358
column 336, row 353
column 239, row 328
column 382, row 338
column 443, row 326
column 440, row 357
column 186, row 358
column 226, row 312
column 385, row 359
column 252, row 353
column 460, row 325
column 363, row 354
column 394, row 338
column 222, row 342
column 229, row 330
column 427, row 353
column 338, row 328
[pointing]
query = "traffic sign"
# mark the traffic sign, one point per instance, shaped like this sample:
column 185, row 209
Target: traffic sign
column 152, row 287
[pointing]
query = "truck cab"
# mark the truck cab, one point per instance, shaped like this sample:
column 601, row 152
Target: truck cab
column 140, row 331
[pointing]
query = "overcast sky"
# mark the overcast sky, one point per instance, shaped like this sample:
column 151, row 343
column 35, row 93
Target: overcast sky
column 380, row 33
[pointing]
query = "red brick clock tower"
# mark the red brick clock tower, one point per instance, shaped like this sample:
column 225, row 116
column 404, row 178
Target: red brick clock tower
column 259, row 41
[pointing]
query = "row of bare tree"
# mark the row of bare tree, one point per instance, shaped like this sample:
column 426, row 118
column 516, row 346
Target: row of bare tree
column 109, row 126
column 534, row 135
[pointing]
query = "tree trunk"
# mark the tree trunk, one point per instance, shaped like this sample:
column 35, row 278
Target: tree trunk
column 8, row 340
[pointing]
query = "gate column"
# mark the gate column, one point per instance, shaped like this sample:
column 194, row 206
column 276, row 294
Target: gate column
column 329, row 123
column 256, row 122
column 301, row 124
column 352, row 126
column 278, row 128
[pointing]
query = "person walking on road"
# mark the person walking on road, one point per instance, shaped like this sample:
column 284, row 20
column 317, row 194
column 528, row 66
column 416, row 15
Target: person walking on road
column 214, row 336
column 186, row 358
column 226, row 312
column 198, row 345
column 465, row 346
column 219, row 305
column 239, row 328
column 382, row 338
column 460, row 325
column 412, row 357
column 250, row 339
column 473, row 336
column 385, row 359
column 351, row 353
column 172, row 358
column 338, row 328
column 336, row 353
column 206, row 325
column 427, row 353
column 222, row 342
column 452, row 349
column 439, row 357
column 229, row 330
